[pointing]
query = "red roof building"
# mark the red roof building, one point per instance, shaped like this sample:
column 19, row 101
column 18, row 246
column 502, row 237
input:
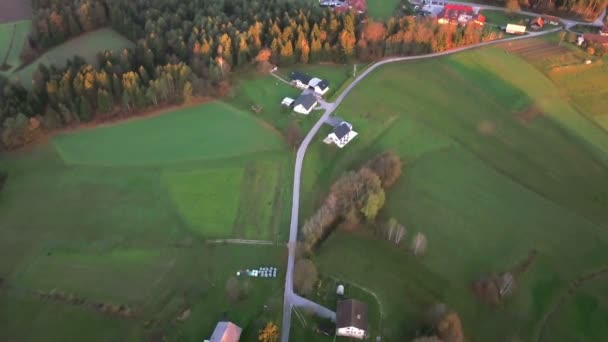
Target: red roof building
column 455, row 14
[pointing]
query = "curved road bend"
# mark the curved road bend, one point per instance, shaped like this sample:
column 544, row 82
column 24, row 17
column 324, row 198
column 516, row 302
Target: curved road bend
column 290, row 298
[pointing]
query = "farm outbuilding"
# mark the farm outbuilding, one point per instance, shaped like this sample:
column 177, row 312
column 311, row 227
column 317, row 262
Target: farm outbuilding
column 515, row 29
column 537, row 24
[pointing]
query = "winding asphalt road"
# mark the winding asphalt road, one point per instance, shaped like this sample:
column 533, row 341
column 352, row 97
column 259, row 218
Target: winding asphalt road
column 290, row 298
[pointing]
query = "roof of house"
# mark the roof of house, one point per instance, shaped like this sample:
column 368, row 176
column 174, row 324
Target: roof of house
column 351, row 313
column 342, row 129
column 596, row 38
column 302, row 77
column 538, row 21
column 317, row 82
column 225, row 332
column 306, row 100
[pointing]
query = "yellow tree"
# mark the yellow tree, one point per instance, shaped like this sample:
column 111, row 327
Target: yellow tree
column 270, row 333
column 347, row 42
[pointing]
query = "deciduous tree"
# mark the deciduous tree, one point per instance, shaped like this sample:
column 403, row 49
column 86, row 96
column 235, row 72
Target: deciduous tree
column 305, row 276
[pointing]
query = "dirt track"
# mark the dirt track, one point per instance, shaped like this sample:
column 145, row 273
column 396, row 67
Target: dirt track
column 15, row 10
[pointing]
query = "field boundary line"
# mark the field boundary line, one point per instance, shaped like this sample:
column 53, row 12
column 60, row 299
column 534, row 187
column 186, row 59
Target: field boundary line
column 567, row 294
column 242, row 242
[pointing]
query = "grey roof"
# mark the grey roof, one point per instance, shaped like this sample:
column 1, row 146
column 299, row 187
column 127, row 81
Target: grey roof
column 341, row 130
column 306, row 100
column 302, row 77
column 226, row 332
column 351, row 313
column 323, row 84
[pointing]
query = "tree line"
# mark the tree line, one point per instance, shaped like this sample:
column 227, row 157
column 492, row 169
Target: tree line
column 189, row 47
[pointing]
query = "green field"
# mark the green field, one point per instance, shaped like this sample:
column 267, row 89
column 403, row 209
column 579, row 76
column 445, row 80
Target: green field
column 122, row 216
column 211, row 131
column 382, row 9
column 497, row 163
column 21, row 29
column 86, row 46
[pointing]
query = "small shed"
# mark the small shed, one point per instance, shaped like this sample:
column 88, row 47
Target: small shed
column 340, row 290
column 288, row 101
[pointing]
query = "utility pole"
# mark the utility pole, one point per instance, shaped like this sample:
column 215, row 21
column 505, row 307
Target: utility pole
column 354, row 70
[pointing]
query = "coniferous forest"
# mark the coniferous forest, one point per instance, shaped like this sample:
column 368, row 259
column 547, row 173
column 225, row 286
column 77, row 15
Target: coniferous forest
column 187, row 48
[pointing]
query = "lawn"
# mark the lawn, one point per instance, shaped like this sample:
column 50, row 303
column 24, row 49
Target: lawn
column 502, row 18
column 267, row 92
column 21, row 29
column 210, row 131
column 497, row 163
column 86, row 46
column 382, row 9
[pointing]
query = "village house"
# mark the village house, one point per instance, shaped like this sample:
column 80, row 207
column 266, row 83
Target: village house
column 595, row 38
column 341, row 135
column 225, row 332
column 304, row 81
column 537, row 24
column 304, row 104
column 459, row 15
column 351, row 319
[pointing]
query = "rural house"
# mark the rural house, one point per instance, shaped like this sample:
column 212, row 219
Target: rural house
column 459, row 14
column 341, row 135
column 594, row 38
column 305, row 103
column 225, row 332
column 304, row 81
column 351, row 319
column 537, row 24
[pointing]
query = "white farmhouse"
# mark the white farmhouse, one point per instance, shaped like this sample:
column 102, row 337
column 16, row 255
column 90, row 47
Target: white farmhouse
column 351, row 319
column 304, row 81
column 341, row 135
column 305, row 103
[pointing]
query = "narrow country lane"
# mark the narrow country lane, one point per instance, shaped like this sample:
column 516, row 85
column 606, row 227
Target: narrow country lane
column 291, row 299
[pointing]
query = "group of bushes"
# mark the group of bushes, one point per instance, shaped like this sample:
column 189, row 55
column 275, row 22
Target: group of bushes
column 356, row 196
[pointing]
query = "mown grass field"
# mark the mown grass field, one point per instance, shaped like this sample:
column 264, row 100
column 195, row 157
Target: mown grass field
column 498, row 161
column 86, row 46
column 121, row 214
column 21, row 29
column 381, row 9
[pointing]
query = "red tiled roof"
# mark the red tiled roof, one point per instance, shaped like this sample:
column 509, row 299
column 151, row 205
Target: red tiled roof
column 596, row 38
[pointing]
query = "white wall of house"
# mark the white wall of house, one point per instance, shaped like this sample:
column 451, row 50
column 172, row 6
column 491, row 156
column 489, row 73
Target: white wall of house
column 300, row 85
column 351, row 332
column 321, row 91
column 345, row 140
column 300, row 109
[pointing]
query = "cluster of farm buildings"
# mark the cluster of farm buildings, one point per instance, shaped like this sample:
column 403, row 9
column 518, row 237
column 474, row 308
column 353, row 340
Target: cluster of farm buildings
column 351, row 321
column 313, row 89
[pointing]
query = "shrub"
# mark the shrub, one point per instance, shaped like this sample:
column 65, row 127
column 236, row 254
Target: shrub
column 3, row 177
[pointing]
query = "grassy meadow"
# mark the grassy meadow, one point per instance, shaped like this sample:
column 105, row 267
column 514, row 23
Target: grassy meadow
column 498, row 162
column 381, row 9
column 122, row 216
column 21, row 29
column 86, row 46
column 122, row 213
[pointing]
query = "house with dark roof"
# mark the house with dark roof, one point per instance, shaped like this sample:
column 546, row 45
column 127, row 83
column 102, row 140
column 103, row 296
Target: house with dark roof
column 341, row 135
column 304, row 81
column 351, row 319
column 225, row 332
column 305, row 103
